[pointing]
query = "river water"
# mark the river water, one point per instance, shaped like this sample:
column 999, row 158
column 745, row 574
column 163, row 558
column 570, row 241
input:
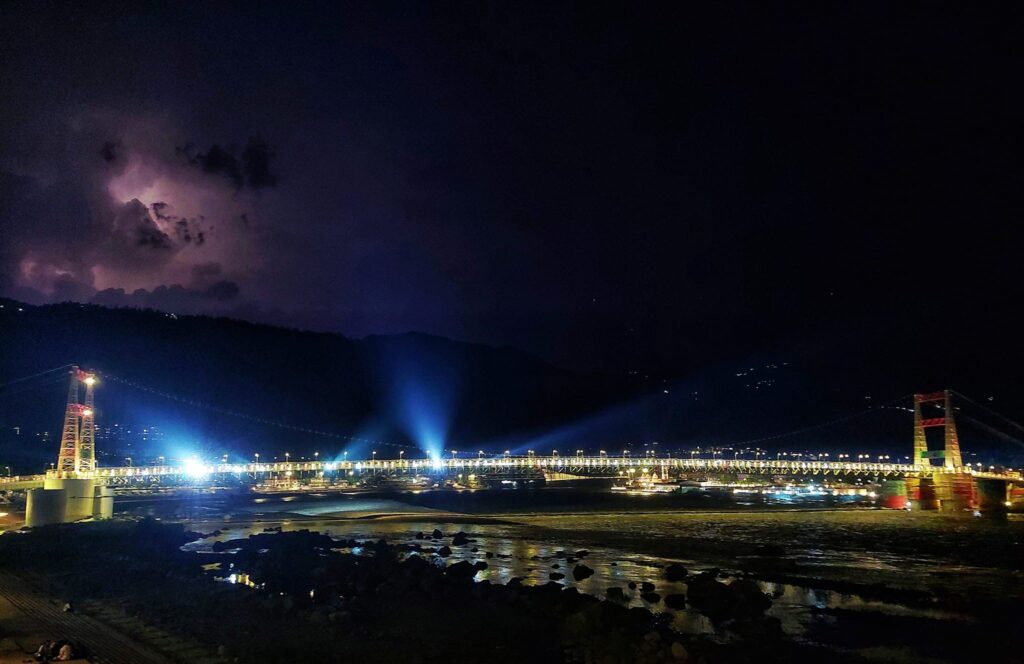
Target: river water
column 878, row 583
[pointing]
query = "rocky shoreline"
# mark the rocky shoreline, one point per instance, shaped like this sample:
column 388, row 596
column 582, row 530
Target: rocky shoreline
column 308, row 596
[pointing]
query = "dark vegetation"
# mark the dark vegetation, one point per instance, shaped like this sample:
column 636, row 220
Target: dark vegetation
column 315, row 600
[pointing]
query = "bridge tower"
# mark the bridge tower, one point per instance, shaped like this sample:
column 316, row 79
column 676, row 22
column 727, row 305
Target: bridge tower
column 78, row 437
column 951, row 452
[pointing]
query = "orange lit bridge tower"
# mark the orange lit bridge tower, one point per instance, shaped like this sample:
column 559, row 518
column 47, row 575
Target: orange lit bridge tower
column 77, row 456
column 945, row 485
column 951, row 452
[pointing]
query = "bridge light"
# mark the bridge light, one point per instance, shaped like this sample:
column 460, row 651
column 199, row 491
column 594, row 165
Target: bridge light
column 90, row 380
column 87, row 412
column 194, row 468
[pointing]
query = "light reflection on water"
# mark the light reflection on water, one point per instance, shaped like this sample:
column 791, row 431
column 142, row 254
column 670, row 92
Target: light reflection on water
column 517, row 554
column 929, row 553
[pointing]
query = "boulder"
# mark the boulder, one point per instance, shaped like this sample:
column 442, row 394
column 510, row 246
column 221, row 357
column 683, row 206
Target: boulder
column 748, row 600
column 444, row 551
column 488, row 555
column 555, row 566
column 460, row 539
column 647, row 587
column 710, row 597
column 556, row 576
column 632, row 585
column 615, row 594
column 650, row 598
column 461, row 569
column 581, row 572
column 675, row 572
column 420, row 535
column 675, row 600
column 437, row 534
column 582, row 553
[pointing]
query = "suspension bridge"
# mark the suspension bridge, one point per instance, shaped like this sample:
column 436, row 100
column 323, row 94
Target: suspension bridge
column 932, row 477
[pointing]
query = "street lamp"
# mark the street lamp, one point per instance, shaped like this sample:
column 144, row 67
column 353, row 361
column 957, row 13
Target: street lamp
column 480, row 454
column 373, row 455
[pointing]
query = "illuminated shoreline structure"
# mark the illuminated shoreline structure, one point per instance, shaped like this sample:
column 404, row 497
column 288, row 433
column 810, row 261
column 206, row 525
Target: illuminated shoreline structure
column 77, row 455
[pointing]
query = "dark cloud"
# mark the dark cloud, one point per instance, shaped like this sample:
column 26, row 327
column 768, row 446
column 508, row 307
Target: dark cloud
column 204, row 271
column 222, row 290
column 110, row 150
column 219, row 161
column 252, row 169
column 175, row 298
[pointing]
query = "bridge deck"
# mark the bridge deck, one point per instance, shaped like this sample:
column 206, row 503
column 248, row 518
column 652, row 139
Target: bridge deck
column 604, row 464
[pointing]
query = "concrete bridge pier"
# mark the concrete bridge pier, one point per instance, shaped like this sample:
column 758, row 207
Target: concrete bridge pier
column 894, row 494
column 955, row 491
column 992, row 495
column 921, row 493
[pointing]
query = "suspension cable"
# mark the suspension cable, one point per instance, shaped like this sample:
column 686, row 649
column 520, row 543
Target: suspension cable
column 36, row 375
column 1006, row 419
column 822, row 425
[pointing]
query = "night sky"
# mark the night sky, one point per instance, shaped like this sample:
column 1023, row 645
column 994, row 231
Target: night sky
column 609, row 187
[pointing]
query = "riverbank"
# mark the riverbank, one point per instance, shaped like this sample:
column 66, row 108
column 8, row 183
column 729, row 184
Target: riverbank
column 317, row 598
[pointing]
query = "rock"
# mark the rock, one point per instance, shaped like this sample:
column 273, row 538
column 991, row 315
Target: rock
column 615, row 594
column 647, row 587
column 488, row 555
column 474, row 550
column 748, row 600
column 581, row 572
column 420, row 535
column 461, row 569
column 556, row 576
column 675, row 601
column 614, row 564
column 650, row 598
column 444, row 551
column 675, row 572
column 515, row 582
column 710, row 597
column 679, row 652
column 559, row 554
column 632, row 585
column 437, row 534
column 460, row 539
column 582, row 553
column 555, row 566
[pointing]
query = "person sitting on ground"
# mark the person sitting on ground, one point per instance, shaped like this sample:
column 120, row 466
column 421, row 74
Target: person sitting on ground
column 66, row 653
